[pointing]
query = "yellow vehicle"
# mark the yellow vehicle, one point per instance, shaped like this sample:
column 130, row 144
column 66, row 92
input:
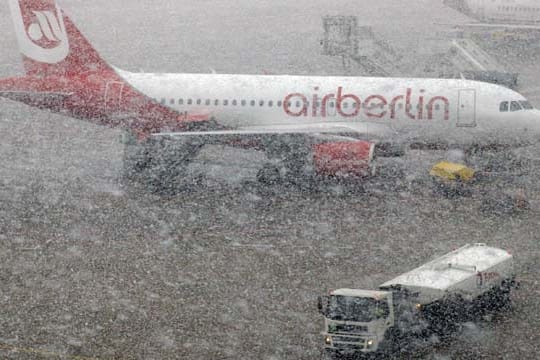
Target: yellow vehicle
column 452, row 171
column 452, row 179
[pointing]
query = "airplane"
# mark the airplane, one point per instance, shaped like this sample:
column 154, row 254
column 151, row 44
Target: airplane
column 499, row 14
column 330, row 126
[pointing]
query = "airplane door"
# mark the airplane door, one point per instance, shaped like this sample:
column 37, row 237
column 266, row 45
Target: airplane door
column 113, row 95
column 467, row 108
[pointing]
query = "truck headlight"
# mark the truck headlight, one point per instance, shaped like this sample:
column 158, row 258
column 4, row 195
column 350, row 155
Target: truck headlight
column 328, row 340
column 369, row 343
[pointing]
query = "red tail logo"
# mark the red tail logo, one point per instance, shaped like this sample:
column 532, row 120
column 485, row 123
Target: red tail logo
column 46, row 37
column 40, row 30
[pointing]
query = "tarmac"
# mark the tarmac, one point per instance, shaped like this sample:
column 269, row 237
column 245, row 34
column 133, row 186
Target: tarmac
column 90, row 269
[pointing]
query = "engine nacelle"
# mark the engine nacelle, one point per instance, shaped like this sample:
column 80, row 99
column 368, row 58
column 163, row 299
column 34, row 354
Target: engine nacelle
column 344, row 158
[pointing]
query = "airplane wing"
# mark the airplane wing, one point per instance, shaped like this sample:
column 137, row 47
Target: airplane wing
column 359, row 128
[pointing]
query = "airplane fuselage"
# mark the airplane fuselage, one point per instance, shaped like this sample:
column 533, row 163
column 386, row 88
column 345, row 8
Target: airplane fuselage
column 432, row 110
column 513, row 11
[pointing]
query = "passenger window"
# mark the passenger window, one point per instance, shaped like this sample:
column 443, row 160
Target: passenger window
column 207, row 102
column 261, row 103
column 279, row 103
column 234, row 102
column 514, row 106
column 243, row 102
column 437, row 107
column 180, row 101
column 189, row 102
column 216, row 102
column 163, row 101
column 199, row 101
column 298, row 104
column 225, row 102
column 504, row 106
column 270, row 103
column 345, row 105
column 172, row 101
column 252, row 102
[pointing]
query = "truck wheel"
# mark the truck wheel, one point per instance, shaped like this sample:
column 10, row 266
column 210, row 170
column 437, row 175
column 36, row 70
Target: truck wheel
column 327, row 354
column 503, row 300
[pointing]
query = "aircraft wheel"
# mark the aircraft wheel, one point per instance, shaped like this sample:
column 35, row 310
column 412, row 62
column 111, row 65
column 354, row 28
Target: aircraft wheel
column 269, row 175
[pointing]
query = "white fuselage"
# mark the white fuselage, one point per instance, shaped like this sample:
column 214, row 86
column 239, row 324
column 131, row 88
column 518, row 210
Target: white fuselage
column 515, row 11
column 431, row 110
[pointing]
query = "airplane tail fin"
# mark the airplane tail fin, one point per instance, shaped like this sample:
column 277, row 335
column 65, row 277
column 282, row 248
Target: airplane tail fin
column 51, row 45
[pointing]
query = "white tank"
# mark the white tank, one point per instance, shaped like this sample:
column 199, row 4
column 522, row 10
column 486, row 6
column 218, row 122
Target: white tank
column 468, row 271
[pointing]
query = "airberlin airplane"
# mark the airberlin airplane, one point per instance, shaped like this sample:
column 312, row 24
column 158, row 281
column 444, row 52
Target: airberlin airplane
column 337, row 122
column 512, row 14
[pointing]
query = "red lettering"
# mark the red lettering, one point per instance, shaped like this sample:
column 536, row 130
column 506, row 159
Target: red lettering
column 287, row 101
column 393, row 106
column 431, row 105
column 421, row 105
column 324, row 104
column 408, row 105
column 315, row 103
column 377, row 105
column 339, row 103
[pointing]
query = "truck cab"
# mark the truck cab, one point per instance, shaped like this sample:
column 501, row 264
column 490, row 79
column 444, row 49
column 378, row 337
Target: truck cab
column 355, row 320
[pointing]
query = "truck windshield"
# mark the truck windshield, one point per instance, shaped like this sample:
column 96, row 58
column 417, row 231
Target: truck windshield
column 358, row 309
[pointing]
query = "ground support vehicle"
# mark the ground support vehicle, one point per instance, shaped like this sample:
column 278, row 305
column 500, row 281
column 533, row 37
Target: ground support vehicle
column 419, row 306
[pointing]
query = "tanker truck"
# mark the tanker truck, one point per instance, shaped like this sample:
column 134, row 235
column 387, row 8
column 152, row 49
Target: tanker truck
column 419, row 306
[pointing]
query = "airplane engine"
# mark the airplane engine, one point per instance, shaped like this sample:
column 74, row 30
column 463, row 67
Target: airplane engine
column 344, row 158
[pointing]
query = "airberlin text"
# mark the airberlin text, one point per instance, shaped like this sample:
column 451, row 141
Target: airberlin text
column 374, row 106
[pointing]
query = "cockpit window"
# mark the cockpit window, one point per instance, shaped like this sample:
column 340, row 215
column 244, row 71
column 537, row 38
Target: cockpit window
column 526, row 105
column 514, row 106
column 504, row 106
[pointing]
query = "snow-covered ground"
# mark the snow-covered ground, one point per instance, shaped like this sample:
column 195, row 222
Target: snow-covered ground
column 89, row 269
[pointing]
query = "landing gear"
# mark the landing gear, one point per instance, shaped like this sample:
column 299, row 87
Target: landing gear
column 158, row 165
column 270, row 174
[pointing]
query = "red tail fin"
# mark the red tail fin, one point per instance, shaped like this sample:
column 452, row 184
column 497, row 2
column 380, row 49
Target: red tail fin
column 50, row 43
